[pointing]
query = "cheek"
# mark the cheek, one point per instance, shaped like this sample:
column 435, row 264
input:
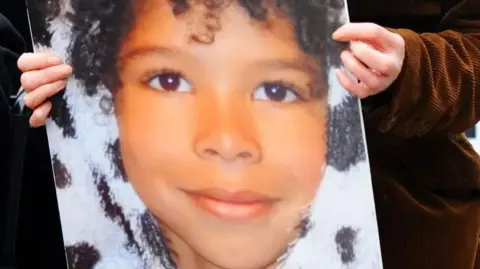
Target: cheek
column 153, row 131
column 296, row 140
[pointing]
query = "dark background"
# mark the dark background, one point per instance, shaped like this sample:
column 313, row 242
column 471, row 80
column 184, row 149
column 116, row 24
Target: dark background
column 471, row 133
column 39, row 238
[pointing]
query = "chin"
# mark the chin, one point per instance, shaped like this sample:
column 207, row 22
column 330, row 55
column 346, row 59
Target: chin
column 252, row 256
column 243, row 262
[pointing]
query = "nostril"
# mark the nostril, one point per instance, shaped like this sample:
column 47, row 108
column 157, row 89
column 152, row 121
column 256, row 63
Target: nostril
column 227, row 148
column 244, row 155
column 210, row 152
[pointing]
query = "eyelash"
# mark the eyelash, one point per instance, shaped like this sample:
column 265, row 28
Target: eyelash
column 157, row 72
column 302, row 95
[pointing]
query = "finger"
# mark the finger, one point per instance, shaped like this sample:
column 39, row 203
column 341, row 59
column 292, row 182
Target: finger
column 365, row 89
column 33, row 79
column 369, row 32
column 38, row 60
column 40, row 114
column 380, row 63
column 350, row 85
column 42, row 93
column 360, row 71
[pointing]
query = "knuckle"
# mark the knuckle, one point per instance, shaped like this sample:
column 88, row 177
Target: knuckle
column 49, row 74
column 400, row 40
column 387, row 67
column 391, row 67
column 377, row 32
column 369, row 25
column 370, row 82
column 372, row 27
column 397, row 66
column 374, row 86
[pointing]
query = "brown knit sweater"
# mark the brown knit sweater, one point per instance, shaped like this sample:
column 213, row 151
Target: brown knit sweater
column 426, row 176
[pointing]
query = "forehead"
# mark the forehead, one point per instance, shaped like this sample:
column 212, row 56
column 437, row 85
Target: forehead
column 234, row 30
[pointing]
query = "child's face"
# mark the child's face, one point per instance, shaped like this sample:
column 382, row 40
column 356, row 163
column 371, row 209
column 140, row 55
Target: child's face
column 224, row 142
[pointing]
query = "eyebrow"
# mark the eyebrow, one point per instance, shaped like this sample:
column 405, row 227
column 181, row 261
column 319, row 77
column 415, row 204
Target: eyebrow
column 304, row 65
column 144, row 51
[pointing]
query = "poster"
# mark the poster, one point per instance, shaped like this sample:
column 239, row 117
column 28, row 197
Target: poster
column 206, row 134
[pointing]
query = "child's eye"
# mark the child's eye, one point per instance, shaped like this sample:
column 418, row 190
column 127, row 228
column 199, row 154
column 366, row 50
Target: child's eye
column 276, row 92
column 170, row 82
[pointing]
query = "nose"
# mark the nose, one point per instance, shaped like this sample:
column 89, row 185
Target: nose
column 226, row 139
column 227, row 147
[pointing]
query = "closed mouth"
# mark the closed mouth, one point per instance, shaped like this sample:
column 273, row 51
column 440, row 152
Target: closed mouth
column 238, row 205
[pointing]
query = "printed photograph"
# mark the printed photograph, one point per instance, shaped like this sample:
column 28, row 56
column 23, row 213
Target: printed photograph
column 206, row 134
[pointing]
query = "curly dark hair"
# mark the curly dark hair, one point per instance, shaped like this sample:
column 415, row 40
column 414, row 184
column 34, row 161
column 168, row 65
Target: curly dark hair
column 99, row 27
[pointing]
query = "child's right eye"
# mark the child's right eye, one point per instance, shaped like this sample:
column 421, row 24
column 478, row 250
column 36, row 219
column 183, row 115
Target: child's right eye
column 170, row 82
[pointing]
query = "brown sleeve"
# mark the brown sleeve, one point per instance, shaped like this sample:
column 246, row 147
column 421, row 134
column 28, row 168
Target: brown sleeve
column 437, row 89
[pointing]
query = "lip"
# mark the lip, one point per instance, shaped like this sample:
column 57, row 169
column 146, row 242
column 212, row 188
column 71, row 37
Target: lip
column 234, row 206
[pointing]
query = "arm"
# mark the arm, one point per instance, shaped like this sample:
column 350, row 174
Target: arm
column 11, row 46
column 436, row 91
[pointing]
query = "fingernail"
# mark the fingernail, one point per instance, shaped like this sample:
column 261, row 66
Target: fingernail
column 54, row 60
column 335, row 34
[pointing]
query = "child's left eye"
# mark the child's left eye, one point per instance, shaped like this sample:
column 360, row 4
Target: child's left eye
column 275, row 92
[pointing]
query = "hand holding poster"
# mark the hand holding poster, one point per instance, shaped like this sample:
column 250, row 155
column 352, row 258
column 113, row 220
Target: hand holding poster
column 206, row 134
